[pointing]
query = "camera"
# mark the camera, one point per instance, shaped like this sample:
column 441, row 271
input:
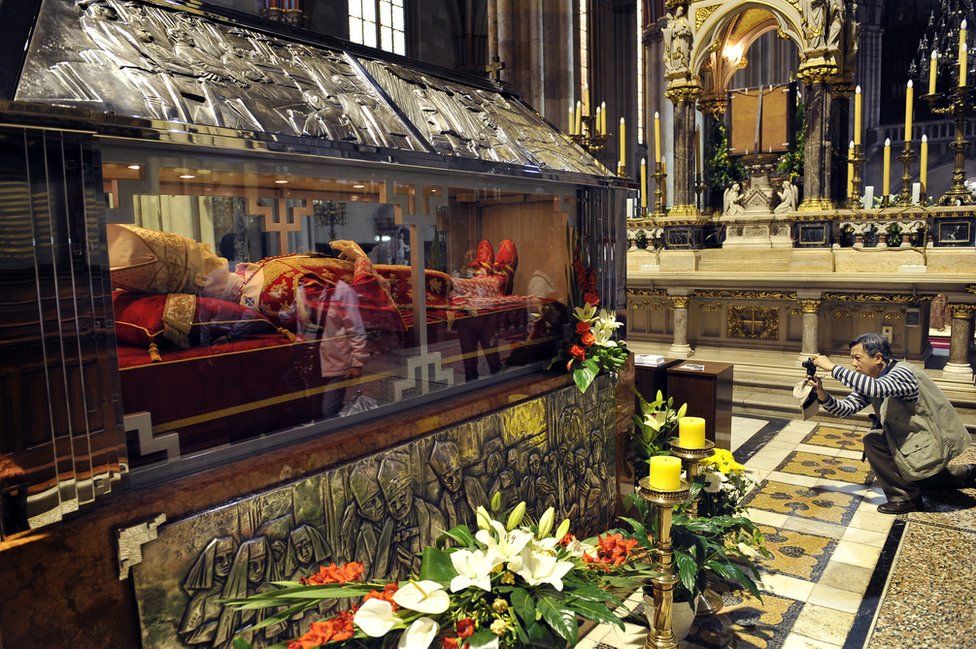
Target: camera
column 810, row 367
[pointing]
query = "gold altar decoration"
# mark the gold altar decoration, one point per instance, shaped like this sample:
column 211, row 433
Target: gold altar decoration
column 887, row 298
column 809, row 306
column 661, row 636
column 679, row 301
column 745, row 295
column 753, row 322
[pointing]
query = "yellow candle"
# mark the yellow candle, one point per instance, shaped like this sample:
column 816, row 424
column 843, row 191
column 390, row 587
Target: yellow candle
column 657, row 137
column 963, row 54
column 623, row 142
column 603, row 118
column 691, row 432
column 886, row 172
column 596, row 122
column 857, row 115
column 850, row 169
column 909, row 100
column 923, row 165
column 643, row 185
column 933, row 70
column 586, row 99
column 572, row 121
column 579, row 118
column 665, row 473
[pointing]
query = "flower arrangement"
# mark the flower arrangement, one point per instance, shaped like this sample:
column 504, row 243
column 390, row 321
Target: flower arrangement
column 726, row 485
column 593, row 346
column 501, row 586
column 653, row 426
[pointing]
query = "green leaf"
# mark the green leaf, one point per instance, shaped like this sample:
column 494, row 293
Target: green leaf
column 481, row 637
column 582, row 378
column 524, row 605
column 596, row 611
column 687, row 570
column 241, row 643
column 436, row 566
column 592, row 593
column 561, row 619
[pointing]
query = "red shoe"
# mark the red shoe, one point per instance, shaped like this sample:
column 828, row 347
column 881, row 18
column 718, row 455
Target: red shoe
column 484, row 259
column 506, row 263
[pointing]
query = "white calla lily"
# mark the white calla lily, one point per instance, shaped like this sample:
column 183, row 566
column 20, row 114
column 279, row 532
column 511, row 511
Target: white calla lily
column 423, row 596
column 501, row 544
column 540, row 568
column 473, row 568
column 375, row 618
column 419, row 635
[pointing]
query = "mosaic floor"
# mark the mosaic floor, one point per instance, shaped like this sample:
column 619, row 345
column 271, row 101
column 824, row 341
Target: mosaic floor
column 832, row 553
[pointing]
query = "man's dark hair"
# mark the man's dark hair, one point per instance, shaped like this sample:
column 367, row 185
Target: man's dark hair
column 873, row 344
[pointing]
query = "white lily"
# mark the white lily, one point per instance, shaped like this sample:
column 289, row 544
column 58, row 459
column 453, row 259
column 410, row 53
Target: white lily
column 585, row 313
column 491, row 644
column 501, row 545
column 603, row 328
column 473, row 568
column 419, row 635
column 578, row 548
column 423, row 597
column 375, row 618
column 540, row 568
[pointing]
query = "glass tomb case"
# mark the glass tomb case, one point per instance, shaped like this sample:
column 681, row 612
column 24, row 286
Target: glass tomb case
column 217, row 236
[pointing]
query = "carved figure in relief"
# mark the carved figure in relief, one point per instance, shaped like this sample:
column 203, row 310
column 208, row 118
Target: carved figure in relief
column 732, row 200
column 251, row 569
column 365, row 531
column 416, row 523
column 814, row 17
column 205, row 584
column 307, row 549
column 787, row 198
column 541, row 492
column 460, row 494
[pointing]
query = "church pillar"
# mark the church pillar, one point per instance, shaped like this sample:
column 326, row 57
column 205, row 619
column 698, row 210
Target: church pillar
column 684, row 99
column 505, row 48
column 537, row 67
column 869, row 74
column 680, row 347
column 960, row 335
column 810, row 312
column 817, row 150
column 839, row 137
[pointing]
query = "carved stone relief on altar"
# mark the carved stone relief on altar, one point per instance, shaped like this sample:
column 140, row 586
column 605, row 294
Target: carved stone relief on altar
column 557, row 450
column 753, row 322
column 139, row 60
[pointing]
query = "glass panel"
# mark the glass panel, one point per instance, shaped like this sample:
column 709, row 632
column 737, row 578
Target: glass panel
column 355, row 30
column 355, row 8
column 299, row 300
column 386, row 15
column 369, row 34
column 387, row 39
column 399, row 43
column 398, row 18
column 369, row 10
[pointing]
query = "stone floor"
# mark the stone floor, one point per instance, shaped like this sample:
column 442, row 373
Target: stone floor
column 837, row 577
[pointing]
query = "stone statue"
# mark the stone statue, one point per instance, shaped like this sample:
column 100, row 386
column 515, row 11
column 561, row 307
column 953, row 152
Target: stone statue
column 678, row 43
column 787, row 198
column 814, row 16
column 732, row 200
column 837, row 14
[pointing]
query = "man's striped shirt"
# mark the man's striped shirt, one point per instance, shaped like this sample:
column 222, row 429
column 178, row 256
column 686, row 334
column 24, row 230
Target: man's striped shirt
column 897, row 380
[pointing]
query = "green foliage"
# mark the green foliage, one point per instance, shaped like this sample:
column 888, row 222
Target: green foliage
column 721, row 170
column 653, row 426
column 791, row 162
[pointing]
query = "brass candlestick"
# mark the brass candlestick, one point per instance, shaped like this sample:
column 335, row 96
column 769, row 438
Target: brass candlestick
column 957, row 101
column 660, row 176
column 590, row 138
column 661, row 636
column 854, row 200
column 906, row 157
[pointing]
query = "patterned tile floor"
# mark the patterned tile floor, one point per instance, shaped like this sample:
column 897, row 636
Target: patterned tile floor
column 815, row 502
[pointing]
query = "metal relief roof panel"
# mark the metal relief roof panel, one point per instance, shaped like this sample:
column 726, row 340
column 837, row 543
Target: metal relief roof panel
column 141, row 60
column 462, row 120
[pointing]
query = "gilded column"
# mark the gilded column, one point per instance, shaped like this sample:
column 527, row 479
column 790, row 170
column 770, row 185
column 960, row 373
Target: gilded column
column 810, row 312
column 960, row 334
column 680, row 347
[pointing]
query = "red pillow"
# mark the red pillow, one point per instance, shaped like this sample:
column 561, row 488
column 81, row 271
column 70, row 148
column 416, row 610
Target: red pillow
column 182, row 320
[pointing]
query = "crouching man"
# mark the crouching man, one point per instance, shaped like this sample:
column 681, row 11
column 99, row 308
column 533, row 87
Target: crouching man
column 920, row 431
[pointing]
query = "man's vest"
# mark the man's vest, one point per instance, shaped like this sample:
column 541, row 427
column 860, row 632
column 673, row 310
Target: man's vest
column 925, row 435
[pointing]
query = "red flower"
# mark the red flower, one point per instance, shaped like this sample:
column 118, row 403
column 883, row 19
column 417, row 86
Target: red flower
column 611, row 550
column 582, row 327
column 588, row 339
column 566, row 540
column 336, row 629
column 386, row 595
column 578, row 353
column 333, row 574
column 465, row 627
column 591, row 298
column 446, row 643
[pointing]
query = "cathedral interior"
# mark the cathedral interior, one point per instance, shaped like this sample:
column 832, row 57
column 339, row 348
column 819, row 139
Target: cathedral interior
column 632, row 221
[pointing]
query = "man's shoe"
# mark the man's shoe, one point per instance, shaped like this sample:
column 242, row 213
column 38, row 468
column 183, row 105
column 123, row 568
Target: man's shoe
column 900, row 506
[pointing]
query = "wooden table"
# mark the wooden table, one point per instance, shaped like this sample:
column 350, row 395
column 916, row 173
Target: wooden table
column 708, row 393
